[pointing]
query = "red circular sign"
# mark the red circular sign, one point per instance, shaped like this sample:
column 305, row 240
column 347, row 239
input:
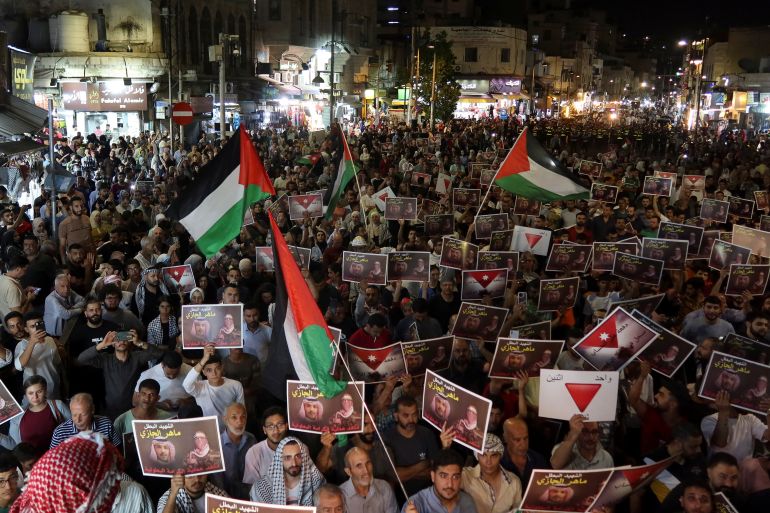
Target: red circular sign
column 182, row 113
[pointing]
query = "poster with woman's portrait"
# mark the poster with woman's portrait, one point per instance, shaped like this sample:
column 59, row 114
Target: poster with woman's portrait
column 692, row 234
column 217, row 325
column 667, row 352
column 513, row 356
column 429, row 354
column 192, row 446
column 564, row 490
column 558, row 293
column 673, row 253
column 401, row 208
column 446, row 404
column 745, row 381
column 569, row 258
column 724, row 254
column 458, row 254
column 437, row 225
column 408, row 266
column 604, row 254
column 486, row 224
column 310, row 411
column 477, row 321
column 368, row 267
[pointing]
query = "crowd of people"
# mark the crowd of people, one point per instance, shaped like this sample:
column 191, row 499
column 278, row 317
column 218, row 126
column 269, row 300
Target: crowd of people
column 91, row 334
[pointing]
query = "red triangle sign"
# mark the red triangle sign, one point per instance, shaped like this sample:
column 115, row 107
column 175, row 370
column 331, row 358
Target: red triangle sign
column 533, row 239
column 373, row 358
column 604, row 337
column 693, row 179
column 582, row 393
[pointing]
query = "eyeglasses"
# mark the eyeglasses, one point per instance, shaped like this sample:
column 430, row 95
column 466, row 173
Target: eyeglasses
column 12, row 479
column 275, row 427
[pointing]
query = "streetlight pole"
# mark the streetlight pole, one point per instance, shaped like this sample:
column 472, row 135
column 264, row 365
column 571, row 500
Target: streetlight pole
column 223, row 44
column 433, row 89
column 332, row 98
column 411, row 83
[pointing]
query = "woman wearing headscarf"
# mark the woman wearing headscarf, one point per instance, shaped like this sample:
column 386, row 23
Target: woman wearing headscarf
column 97, row 231
column 377, row 231
column 294, row 486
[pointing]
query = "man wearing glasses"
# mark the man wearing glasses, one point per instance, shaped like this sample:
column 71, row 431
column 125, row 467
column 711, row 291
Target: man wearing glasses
column 9, row 481
column 581, row 449
column 260, row 456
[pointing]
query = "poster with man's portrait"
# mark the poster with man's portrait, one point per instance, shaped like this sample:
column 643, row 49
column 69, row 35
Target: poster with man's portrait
column 569, row 258
column 615, row 341
column 218, row 504
column 761, row 200
column 421, row 179
column 564, row 490
column 513, row 356
column 486, row 224
column 301, row 256
column 218, row 325
column 724, row 254
column 191, row 446
column 674, row 231
column 667, row 352
column 464, row 198
column 368, row 267
column 485, row 283
column 487, row 176
column 743, row 347
column 438, row 225
column 9, row 408
column 501, row 241
column 638, row 268
column 558, row 293
column 375, row 365
column 508, row 260
column 590, row 168
column 408, row 266
column 179, row 278
column 693, row 185
column 476, row 321
column 535, row 331
column 280, row 205
column 458, row 254
column 744, row 380
column 743, row 208
column 657, row 186
column 265, row 260
column 714, row 210
column 428, row 208
column 526, row 207
column 603, row 192
column 751, row 278
column 310, row 411
column 604, row 254
column 707, row 244
column 401, row 208
column 450, row 405
column 756, row 240
column 673, row 253
column 429, row 354
column 306, row 205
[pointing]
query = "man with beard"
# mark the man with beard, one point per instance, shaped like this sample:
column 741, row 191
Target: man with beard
column 363, row 492
column 144, row 304
column 12, row 333
column 292, row 479
column 580, row 229
column 236, row 442
column 413, row 446
column 60, row 305
column 346, row 418
column 202, row 457
column 260, row 456
column 722, row 473
column 366, row 441
column 463, row 371
column 445, row 494
column 756, row 326
column 706, row 322
column 732, row 432
column 581, row 448
column 111, row 297
column 87, row 330
column 146, row 401
column 187, row 494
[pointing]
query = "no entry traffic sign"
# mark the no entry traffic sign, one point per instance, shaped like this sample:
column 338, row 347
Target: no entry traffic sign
column 182, row 113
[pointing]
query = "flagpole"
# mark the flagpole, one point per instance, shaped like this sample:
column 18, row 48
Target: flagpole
column 486, row 196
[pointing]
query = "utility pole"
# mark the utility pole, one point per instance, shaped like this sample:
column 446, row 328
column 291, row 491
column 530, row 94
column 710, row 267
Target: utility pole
column 332, row 98
column 433, row 89
column 222, row 44
column 411, row 82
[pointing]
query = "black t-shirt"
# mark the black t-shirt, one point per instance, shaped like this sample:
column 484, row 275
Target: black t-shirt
column 84, row 336
column 410, row 451
column 442, row 310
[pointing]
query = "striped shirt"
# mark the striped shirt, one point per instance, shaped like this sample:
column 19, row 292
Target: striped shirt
column 100, row 423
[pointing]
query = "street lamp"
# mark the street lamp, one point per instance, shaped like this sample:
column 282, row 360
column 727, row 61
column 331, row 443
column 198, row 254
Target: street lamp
column 228, row 44
column 433, row 86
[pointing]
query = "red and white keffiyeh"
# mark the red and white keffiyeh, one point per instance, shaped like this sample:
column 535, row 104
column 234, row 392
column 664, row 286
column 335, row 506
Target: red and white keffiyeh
column 81, row 475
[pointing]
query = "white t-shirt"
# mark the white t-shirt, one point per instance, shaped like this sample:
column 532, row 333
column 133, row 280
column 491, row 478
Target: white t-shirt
column 741, row 435
column 213, row 400
column 170, row 389
column 44, row 361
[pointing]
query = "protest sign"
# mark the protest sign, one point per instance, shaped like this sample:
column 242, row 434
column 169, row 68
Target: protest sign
column 429, row 354
column 310, row 411
column 408, row 266
column 458, row 254
column 219, row 325
column 589, row 393
column 479, row 321
column 514, row 355
column 305, row 205
column 558, row 293
column 375, row 365
column 569, row 258
column 368, row 267
column 745, row 381
column 179, row 278
column 667, row 352
column 564, row 491
column 483, row 283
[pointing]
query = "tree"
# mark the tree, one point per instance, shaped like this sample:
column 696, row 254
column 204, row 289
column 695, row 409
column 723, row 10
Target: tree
column 447, row 88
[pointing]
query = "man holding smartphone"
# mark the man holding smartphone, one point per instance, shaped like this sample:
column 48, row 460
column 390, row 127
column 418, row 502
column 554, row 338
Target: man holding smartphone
column 39, row 354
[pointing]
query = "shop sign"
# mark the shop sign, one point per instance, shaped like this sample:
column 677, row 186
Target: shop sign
column 505, row 85
column 474, row 86
column 104, row 97
column 22, row 75
column 202, row 104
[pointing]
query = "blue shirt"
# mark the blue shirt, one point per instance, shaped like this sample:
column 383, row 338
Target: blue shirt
column 427, row 501
column 100, row 423
column 235, row 463
column 257, row 342
column 534, row 461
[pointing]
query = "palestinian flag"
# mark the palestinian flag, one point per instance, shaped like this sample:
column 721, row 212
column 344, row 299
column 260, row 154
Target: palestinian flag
column 309, row 160
column 529, row 170
column 214, row 206
column 301, row 347
column 345, row 173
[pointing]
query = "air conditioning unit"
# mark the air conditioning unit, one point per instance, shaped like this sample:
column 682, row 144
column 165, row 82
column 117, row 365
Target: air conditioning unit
column 458, row 68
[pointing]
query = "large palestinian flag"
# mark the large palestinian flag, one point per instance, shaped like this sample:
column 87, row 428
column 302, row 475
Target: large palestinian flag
column 345, row 173
column 529, row 171
column 301, row 347
column 213, row 207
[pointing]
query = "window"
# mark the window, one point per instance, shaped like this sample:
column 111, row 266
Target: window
column 471, row 54
column 505, row 55
column 274, row 10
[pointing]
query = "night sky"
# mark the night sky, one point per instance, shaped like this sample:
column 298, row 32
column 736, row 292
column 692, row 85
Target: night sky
column 674, row 19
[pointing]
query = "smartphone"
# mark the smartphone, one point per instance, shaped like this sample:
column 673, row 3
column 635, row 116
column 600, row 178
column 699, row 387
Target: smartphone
column 123, row 336
column 521, row 297
column 36, row 290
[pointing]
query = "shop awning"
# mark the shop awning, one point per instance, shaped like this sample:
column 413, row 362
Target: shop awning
column 21, row 147
column 512, row 96
column 476, row 98
column 18, row 117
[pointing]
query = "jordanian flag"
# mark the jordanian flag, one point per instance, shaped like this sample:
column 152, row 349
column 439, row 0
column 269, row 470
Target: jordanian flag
column 213, row 207
column 309, row 160
column 301, row 347
column 345, row 173
column 529, row 171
